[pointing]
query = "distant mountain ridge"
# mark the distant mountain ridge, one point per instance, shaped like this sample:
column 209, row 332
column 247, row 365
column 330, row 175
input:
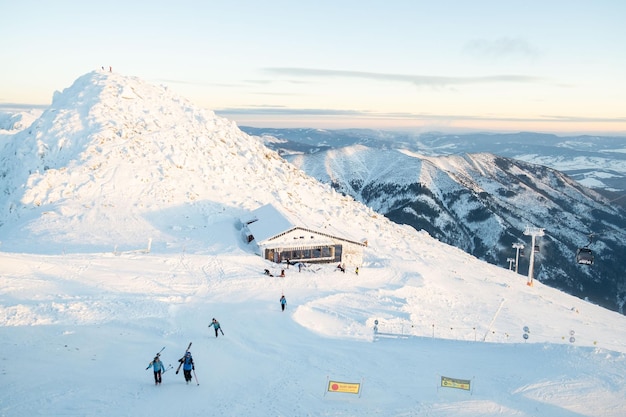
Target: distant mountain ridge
column 482, row 204
column 596, row 161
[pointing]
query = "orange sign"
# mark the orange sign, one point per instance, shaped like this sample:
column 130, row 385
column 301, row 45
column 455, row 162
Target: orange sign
column 347, row 387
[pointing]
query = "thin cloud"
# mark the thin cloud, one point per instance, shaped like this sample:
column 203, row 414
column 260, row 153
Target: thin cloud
column 198, row 83
column 285, row 111
column 22, row 106
column 501, row 47
column 576, row 119
column 418, row 80
column 268, row 93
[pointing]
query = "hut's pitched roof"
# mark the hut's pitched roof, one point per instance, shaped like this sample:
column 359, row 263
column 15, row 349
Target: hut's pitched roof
column 267, row 223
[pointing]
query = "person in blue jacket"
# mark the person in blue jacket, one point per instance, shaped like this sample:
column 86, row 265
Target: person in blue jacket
column 188, row 366
column 216, row 325
column 158, row 368
column 283, row 303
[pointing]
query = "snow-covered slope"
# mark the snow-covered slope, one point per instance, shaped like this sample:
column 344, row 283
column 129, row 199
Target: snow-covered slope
column 482, row 203
column 14, row 121
column 84, row 306
column 594, row 161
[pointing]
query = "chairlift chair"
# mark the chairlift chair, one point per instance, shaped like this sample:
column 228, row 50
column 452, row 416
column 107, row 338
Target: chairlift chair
column 536, row 249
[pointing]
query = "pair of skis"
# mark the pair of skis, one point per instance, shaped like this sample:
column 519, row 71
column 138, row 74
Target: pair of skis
column 157, row 355
column 181, row 364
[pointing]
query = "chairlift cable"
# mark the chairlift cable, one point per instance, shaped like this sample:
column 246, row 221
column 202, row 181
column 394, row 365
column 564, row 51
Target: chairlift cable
column 618, row 198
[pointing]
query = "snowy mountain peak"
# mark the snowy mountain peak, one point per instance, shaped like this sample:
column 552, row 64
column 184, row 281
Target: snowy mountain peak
column 112, row 146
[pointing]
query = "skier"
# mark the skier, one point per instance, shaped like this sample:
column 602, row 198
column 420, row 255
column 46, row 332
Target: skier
column 157, row 367
column 188, row 366
column 283, row 302
column 216, row 325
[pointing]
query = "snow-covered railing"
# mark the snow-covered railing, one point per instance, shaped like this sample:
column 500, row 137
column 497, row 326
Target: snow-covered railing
column 404, row 329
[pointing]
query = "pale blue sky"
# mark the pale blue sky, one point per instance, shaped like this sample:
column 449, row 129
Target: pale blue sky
column 552, row 66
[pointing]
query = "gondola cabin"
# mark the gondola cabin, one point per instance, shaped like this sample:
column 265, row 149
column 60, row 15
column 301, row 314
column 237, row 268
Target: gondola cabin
column 584, row 256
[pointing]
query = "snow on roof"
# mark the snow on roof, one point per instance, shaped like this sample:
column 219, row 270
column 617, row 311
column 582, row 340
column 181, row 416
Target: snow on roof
column 267, row 221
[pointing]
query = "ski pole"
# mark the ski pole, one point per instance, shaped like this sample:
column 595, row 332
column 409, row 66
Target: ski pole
column 194, row 374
